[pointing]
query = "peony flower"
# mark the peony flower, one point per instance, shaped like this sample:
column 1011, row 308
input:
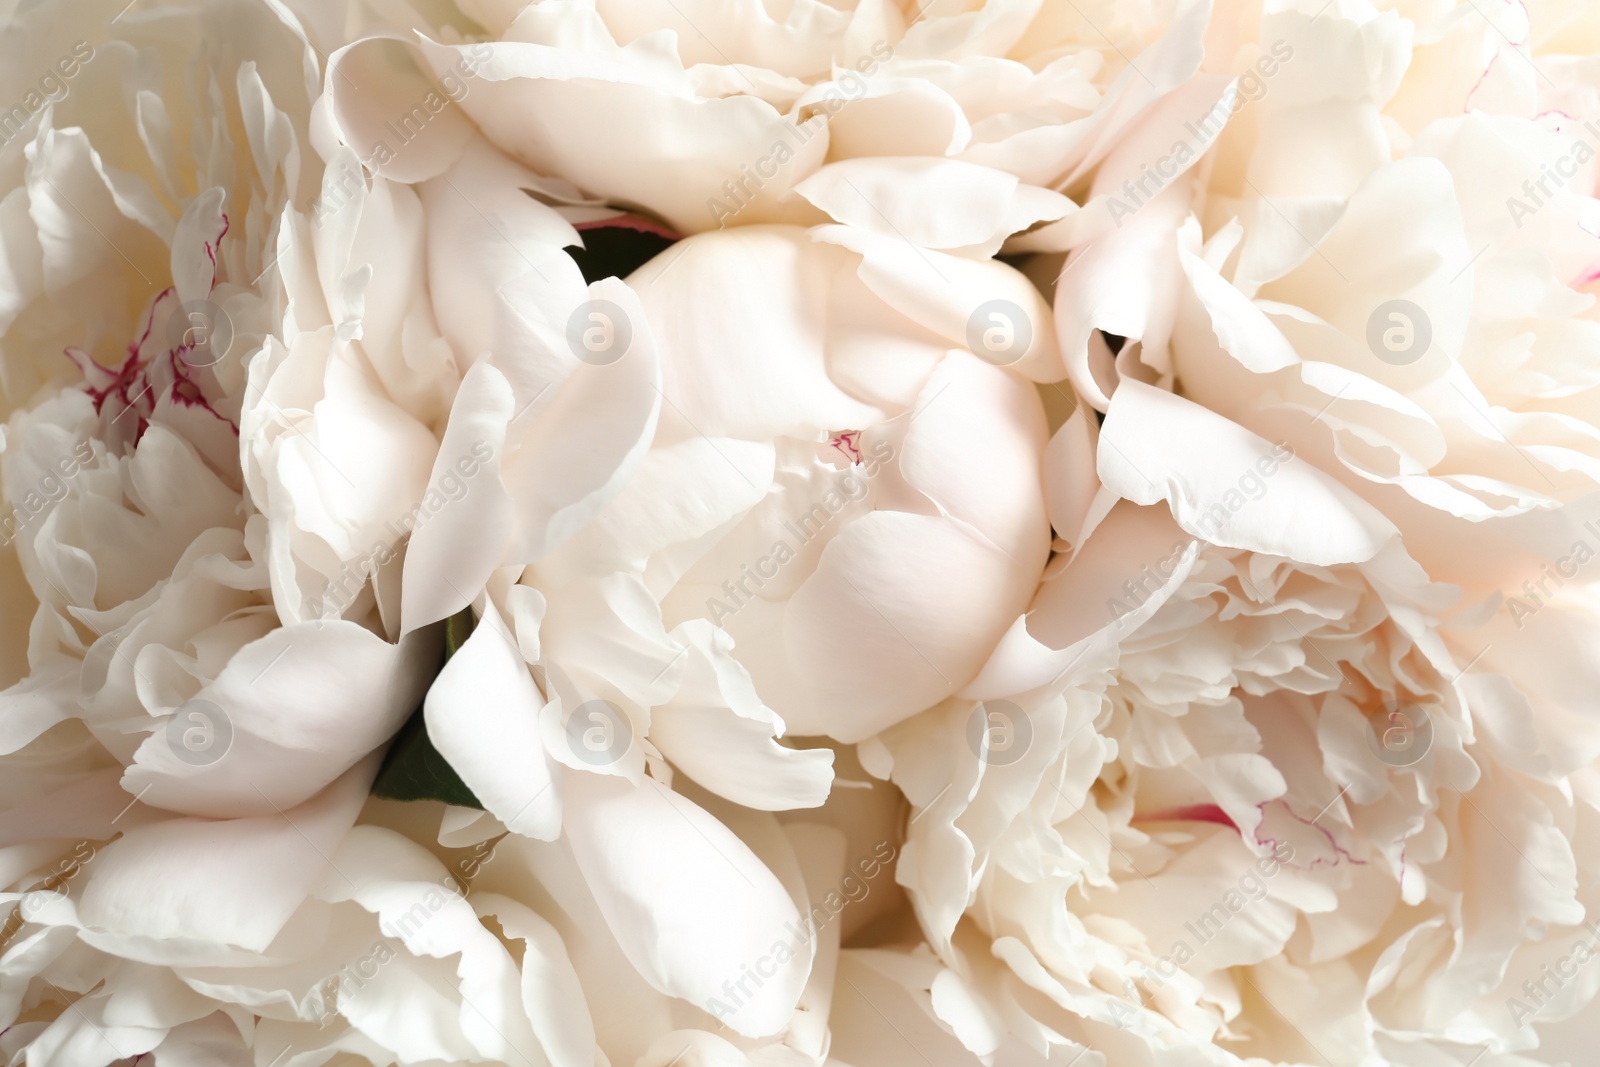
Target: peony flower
column 1265, row 747
column 819, row 467
column 184, row 754
column 1437, row 379
column 707, row 118
column 799, row 535
column 597, row 687
column 447, row 940
column 1199, row 783
column 613, row 674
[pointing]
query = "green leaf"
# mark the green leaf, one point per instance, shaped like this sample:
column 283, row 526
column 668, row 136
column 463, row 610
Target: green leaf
column 457, row 628
column 413, row 768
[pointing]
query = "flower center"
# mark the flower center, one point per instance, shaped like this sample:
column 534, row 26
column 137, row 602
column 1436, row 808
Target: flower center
column 155, row 366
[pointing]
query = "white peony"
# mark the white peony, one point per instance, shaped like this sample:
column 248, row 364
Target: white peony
column 187, row 754
column 1238, row 804
column 406, row 436
column 798, row 535
column 610, row 659
column 709, row 116
column 1386, row 261
column 1309, row 713
column 854, row 532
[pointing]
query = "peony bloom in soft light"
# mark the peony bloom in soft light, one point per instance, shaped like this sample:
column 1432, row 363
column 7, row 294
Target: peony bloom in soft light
column 814, row 465
column 1202, row 782
column 1441, row 378
column 708, row 118
column 778, row 533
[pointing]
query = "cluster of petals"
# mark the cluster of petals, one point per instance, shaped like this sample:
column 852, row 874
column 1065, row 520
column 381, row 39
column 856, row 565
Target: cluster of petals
column 1069, row 547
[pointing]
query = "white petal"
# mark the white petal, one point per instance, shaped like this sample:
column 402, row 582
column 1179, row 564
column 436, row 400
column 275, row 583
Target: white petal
column 483, row 716
column 1228, row 486
column 232, row 882
column 298, row 708
column 717, row 731
column 449, row 557
column 686, row 899
column 581, row 449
